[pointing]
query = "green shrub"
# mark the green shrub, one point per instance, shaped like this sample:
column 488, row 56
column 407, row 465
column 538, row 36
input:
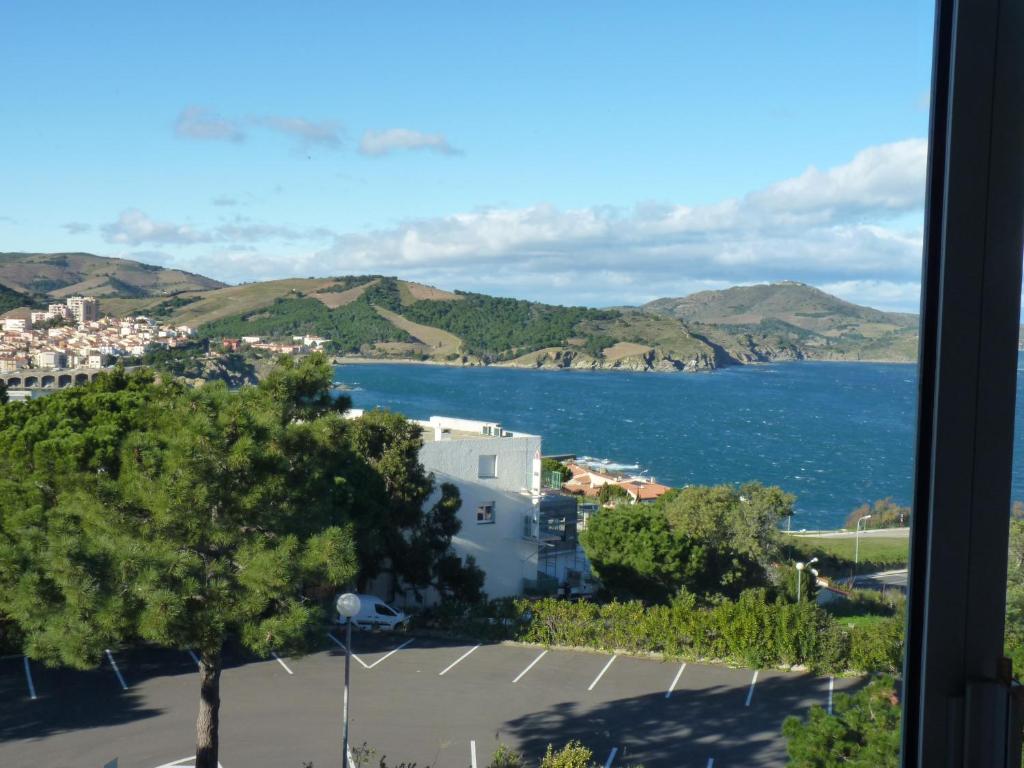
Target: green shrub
column 572, row 755
column 504, row 757
column 752, row 631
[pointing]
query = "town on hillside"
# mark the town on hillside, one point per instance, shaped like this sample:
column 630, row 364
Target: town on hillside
column 74, row 335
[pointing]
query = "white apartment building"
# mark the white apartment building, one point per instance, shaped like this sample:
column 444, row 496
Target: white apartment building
column 83, row 309
column 518, row 534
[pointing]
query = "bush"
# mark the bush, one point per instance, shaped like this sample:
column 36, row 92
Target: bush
column 572, row 755
column 753, row 631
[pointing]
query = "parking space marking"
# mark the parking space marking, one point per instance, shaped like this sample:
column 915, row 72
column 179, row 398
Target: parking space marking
column 279, row 661
column 601, row 673
column 195, row 658
column 611, row 756
column 528, row 668
column 341, row 645
column 679, row 674
column 393, row 652
column 472, row 753
column 458, row 660
column 750, row 693
column 831, row 685
column 185, row 762
column 28, row 677
column 120, row 678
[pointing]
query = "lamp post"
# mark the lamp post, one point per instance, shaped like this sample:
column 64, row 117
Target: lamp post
column 348, row 606
column 856, row 546
column 800, row 572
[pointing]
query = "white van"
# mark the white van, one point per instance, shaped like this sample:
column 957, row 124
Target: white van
column 374, row 613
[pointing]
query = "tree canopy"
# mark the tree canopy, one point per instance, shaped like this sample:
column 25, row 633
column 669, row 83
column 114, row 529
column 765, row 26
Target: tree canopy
column 132, row 508
column 862, row 732
column 742, row 519
column 637, row 552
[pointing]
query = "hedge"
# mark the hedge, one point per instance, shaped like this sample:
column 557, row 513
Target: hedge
column 752, row 631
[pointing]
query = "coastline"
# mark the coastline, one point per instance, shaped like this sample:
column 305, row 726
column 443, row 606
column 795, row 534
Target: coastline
column 358, row 360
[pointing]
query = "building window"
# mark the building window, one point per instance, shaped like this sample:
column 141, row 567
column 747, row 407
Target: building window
column 488, row 466
column 485, row 513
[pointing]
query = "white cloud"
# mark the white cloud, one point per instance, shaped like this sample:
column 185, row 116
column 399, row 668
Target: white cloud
column 76, row 227
column 134, row 227
column 378, row 143
column 853, row 229
column 196, row 122
column 308, row 132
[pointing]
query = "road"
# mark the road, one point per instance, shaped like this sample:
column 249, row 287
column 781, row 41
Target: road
column 880, row 533
column 415, row 699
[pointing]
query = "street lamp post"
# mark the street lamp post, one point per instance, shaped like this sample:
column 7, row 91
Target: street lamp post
column 800, row 572
column 856, row 546
column 348, row 606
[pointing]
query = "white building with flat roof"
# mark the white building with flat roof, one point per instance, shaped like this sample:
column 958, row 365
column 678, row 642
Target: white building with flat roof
column 517, row 534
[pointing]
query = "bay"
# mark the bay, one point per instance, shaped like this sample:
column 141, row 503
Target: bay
column 834, row 434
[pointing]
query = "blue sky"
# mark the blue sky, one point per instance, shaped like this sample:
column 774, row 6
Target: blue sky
column 580, row 152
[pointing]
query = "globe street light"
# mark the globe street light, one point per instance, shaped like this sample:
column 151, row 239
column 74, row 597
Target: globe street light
column 800, row 572
column 348, row 606
column 856, row 546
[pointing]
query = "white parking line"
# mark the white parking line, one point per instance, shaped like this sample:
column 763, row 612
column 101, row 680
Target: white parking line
column 392, row 653
column 520, row 675
column 831, row 685
column 611, row 756
column 750, row 693
column 194, row 658
column 472, row 753
column 601, row 673
column 458, row 660
column 279, row 661
column 124, row 685
column 341, row 645
column 679, row 674
column 28, row 677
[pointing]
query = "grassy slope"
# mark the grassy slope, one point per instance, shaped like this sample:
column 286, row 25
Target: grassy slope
column 244, row 299
column 64, row 274
column 876, row 553
column 440, row 343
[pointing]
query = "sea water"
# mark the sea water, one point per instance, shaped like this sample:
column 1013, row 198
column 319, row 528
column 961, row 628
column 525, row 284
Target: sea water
column 836, row 435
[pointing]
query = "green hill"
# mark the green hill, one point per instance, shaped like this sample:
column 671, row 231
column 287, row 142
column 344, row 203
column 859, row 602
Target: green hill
column 376, row 316
column 791, row 319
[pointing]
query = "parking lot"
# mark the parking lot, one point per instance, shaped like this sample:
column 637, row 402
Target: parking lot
column 414, row 699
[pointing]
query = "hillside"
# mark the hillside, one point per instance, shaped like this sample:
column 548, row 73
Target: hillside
column 791, row 319
column 58, row 275
column 381, row 317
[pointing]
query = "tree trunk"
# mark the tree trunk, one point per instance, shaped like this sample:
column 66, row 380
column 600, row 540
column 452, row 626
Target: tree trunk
column 208, row 722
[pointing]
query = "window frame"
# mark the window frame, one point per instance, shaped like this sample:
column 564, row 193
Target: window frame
column 494, row 466
column 957, row 705
column 487, row 506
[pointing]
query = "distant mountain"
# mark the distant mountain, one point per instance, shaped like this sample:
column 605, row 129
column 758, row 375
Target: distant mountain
column 58, row 275
column 812, row 323
column 381, row 317
column 790, row 302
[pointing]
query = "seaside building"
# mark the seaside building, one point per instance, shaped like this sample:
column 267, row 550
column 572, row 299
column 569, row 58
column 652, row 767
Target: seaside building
column 524, row 538
column 588, row 481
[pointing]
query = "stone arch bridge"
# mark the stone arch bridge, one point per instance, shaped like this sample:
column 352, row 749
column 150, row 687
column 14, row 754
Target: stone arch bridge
column 46, row 378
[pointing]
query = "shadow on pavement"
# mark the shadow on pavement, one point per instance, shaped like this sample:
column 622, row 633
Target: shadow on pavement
column 653, row 731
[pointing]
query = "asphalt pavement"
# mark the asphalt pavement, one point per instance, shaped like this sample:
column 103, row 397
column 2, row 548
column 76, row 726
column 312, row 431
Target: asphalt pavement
column 415, row 699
